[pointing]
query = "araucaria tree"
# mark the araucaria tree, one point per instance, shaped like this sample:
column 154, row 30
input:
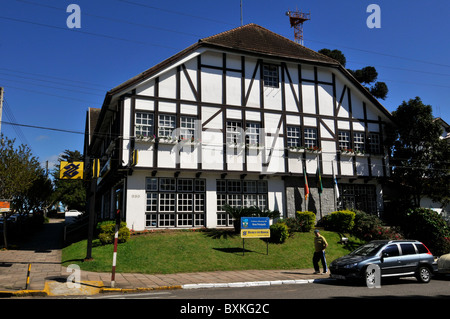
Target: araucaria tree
column 421, row 159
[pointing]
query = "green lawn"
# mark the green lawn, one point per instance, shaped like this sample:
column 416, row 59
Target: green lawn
column 188, row 251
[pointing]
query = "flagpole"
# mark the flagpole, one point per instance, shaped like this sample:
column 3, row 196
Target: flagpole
column 336, row 190
column 319, row 185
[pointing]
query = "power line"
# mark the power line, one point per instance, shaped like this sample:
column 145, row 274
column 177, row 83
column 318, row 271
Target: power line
column 384, row 54
column 86, row 33
column 10, row 115
column 174, row 12
column 114, row 19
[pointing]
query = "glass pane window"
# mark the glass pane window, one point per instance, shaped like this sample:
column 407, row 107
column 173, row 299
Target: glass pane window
column 252, row 133
column 188, row 127
column 167, row 184
column 199, row 202
column 293, row 136
column 167, row 202
column 374, row 143
column 359, row 141
column 151, row 220
column 250, row 187
column 344, row 140
column 166, row 220
column 144, row 124
column 184, row 219
column 262, row 187
column 310, row 137
column 166, row 125
column 185, row 185
column 152, row 202
column 249, row 200
column 199, row 185
column 234, row 132
column 270, row 75
column 185, row 202
column 151, row 184
column 234, row 186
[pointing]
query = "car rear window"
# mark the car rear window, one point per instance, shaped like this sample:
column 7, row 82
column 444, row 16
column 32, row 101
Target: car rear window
column 422, row 249
column 408, row 249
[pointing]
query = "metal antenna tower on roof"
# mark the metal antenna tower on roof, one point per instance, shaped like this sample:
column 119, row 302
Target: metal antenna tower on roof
column 297, row 18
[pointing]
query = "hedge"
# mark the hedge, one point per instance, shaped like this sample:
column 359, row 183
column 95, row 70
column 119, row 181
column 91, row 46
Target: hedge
column 278, row 233
column 340, row 221
column 107, row 231
column 307, row 220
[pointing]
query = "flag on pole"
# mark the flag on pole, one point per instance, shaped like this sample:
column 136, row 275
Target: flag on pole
column 319, row 180
column 306, row 184
column 336, row 188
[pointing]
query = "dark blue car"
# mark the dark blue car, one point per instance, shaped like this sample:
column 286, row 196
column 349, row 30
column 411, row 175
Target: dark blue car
column 395, row 258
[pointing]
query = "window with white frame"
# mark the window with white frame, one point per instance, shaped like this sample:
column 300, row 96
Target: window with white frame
column 293, row 136
column 239, row 193
column 188, row 127
column 356, row 196
column 359, row 141
column 166, row 125
column 310, row 135
column 144, row 124
column 234, row 132
column 270, row 75
column 167, row 202
column 252, row 133
column 344, row 140
column 175, row 202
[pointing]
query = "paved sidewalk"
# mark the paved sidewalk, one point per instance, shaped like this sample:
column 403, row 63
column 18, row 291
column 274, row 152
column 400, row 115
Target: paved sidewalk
column 35, row 269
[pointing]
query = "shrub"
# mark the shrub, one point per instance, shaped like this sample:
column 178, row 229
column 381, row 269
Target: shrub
column 369, row 227
column 340, row 221
column 293, row 224
column 107, row 231
column 307, row 220
column 429, row 227
column 278, row 233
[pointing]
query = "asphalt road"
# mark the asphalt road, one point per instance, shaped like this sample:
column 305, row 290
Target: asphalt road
column 404, row 288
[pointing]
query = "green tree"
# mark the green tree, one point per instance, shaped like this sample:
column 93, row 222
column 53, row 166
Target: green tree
column 420, row 158
column 69, row 192
column 366, row 76
column 19, row 169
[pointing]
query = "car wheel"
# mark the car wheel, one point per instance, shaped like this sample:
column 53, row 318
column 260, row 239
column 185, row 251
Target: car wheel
column 423, row 274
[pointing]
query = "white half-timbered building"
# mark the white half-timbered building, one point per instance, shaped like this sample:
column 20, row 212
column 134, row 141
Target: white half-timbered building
column 237, row 118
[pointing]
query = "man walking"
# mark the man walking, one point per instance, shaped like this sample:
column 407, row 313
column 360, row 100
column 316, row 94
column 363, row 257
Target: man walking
column 320, row 244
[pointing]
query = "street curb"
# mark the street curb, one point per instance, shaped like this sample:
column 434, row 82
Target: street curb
column 44, row 293
column 128, row 290
column 248, row 284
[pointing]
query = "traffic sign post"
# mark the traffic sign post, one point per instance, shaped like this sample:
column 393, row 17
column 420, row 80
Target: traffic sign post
column 255, row 227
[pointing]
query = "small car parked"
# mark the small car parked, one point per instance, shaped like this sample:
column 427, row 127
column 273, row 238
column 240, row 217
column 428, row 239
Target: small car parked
column 444, row 264
column 396, row 258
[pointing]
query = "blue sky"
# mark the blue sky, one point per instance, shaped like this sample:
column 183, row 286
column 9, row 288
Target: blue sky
column 52, row 74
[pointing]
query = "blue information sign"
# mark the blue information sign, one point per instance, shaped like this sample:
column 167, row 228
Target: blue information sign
column 255, row 223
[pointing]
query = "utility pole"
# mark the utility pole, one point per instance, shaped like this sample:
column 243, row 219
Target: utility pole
column 1, row 107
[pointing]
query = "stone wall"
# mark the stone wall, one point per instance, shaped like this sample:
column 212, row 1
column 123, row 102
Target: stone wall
column 295, row 198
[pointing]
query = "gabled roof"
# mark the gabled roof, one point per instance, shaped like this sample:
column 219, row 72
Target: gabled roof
column 256, row 39
column 250, row 38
